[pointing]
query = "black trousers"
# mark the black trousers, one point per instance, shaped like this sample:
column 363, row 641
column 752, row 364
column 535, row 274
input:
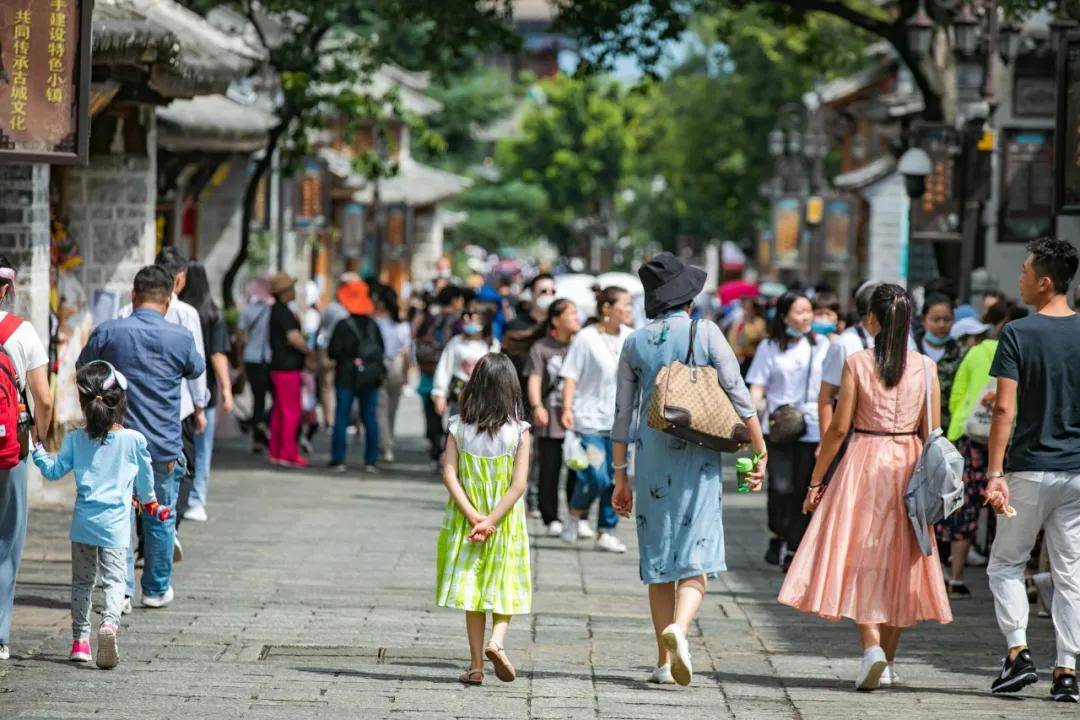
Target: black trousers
column 433, row 428
column 258, row 375
column 183, row 498
column 790, row 468
column 549, row 462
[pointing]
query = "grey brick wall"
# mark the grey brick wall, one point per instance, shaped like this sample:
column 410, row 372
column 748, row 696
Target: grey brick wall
column 220, row 213
column 24, row 238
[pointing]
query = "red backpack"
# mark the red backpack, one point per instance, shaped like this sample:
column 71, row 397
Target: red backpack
column 12, row 403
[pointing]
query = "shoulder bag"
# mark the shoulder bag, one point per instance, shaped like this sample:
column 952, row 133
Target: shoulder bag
column 787, row 423
column 689, row 403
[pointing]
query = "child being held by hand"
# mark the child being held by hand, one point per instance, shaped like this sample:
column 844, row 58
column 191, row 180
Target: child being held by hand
column 483, row 551
column 108, row 460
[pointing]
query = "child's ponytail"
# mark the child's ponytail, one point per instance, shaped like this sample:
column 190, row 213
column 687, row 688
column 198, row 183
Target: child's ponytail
column 103, row 397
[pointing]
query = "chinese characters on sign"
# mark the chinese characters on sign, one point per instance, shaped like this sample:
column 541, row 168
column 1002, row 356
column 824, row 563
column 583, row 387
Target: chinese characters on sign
column 44, row 80
column 937, row 214
column 1026, row 210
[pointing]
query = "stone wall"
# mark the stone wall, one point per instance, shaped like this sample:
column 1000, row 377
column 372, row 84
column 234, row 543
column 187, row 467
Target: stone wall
column 220, row 214
column 24, row 238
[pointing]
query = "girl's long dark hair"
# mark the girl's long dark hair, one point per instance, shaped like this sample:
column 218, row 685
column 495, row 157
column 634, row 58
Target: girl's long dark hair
column 892, row 307
column 778, row 326
column 196, row 293
column 102, row 407
column 492, row 397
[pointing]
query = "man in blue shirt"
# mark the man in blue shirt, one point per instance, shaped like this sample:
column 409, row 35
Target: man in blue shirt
column 154, row 355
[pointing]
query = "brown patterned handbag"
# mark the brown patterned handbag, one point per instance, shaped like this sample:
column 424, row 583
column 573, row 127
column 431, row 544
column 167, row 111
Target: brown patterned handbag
column 689, row 403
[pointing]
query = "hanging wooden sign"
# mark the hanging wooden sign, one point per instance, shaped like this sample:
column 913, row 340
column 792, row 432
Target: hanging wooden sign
column 45, row 81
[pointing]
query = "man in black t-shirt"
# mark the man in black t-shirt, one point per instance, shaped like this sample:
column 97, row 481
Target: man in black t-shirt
column 288, row 353
column 1035, row 479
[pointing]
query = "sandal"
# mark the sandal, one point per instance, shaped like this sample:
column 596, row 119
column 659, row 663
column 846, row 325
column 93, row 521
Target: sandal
column 471, row 677
column 497, row 655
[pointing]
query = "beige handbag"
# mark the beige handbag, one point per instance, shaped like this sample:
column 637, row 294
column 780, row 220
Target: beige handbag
column 689, row 403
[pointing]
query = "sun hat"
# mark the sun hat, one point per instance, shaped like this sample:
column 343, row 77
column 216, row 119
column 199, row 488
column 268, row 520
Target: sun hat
column 967, row 326
column 355, row 297
column 281, row 282
column 669, row 283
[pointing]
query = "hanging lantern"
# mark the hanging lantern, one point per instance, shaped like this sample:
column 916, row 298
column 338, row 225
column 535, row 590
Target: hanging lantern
column 920, row 29
column 965, row 32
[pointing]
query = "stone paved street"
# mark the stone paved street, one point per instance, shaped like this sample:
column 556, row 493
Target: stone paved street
column 310, row 595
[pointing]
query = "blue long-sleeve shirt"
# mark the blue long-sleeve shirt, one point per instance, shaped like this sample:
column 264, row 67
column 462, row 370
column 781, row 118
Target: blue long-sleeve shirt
column 105, row 472
column 154, row 355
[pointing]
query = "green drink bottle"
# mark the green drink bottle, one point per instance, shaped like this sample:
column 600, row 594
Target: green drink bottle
column 742, row 467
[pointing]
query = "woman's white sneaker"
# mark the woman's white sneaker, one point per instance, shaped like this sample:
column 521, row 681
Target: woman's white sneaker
column 610, row 543
column 585, row 530
column 889, row 677
column 570, row 531
column 662, row 675
column 873, row 665
column 554, row 528
column 674, row 641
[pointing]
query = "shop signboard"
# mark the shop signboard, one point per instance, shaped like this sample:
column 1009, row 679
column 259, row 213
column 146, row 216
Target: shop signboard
column 839, row 230
column 1067, row 159
column 311, row 207
column 936, row 215
column 1026, row 185
column 45, row 81
column 787, row 229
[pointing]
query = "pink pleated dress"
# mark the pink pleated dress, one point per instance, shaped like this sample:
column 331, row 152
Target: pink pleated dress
column 859, row 558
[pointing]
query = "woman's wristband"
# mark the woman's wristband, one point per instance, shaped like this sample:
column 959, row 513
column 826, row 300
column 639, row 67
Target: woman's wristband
column 620, row 467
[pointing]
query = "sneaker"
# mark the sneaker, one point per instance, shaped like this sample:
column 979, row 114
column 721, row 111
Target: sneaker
column 80, row 651
column 976, row 558
column 609, row 543
column 336, row 467
column 305, row 444
column 177, row 550
column 388, row 456
column 889, row 677
column 1015, row 674
column 772, row 555
column 662, row 675
column 554, row 528
column 1064, row 689
column 873, row 665
column 957, row 590
column 108, row 654
column 788, row 558
column 371, row 469
column 158, row 602
column 5, row 652
column 585, row 530
column 571, row 531
column 125, row 609
column 675, row 641
column 196, row 514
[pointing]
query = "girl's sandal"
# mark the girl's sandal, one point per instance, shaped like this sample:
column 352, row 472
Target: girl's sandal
column 471, row 677
column 497, row 655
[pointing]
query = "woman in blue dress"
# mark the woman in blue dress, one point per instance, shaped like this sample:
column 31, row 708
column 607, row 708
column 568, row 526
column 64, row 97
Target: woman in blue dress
column 679, row 524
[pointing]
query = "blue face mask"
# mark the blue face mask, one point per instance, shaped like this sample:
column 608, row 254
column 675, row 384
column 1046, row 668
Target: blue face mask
column 823, row 328
column 792, row 332
column 934, row 340
column 473, row 328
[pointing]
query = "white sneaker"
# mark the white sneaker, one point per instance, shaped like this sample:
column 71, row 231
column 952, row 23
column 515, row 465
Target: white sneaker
column 177, row 550
column 388, row 456
column 125, row 609
column 571, row 531
column 662, row 675
column 976, row 558
column 675, row 642
column 158, row 602
column 873, row 665
column 195, row 514
column 585, row 530
column 889, row 677
column 5, row 652
column 609, row 543
column 554, row 528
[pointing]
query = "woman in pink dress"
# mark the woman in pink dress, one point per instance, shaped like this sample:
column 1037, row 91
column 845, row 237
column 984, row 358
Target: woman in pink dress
column 859, row 558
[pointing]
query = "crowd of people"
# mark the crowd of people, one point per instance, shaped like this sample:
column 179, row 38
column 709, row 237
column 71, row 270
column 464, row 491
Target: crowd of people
column 520, row 390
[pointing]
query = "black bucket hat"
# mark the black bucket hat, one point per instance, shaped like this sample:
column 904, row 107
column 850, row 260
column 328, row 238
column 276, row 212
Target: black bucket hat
column 669, row 283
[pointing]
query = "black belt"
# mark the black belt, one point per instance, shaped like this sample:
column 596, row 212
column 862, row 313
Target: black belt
column 882, row 433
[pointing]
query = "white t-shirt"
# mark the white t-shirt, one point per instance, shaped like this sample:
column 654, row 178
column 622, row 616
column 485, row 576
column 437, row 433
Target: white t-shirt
column 26, row 350
column 593, row 363
column 846, row 343
column 457, row 361
column 784, row 377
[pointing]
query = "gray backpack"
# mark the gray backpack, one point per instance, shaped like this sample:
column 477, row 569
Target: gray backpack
column 936, row 488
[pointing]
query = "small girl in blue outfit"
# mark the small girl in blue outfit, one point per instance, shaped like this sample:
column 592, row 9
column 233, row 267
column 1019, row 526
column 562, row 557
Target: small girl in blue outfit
column 108, row 461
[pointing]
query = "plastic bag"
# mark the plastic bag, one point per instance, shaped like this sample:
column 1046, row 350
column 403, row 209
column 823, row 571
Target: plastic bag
column 574, row 452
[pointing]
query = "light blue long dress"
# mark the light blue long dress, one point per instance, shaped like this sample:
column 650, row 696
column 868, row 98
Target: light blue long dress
column 678, row 501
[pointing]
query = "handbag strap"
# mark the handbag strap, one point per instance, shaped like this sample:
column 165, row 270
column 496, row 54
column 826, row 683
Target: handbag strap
column 928, row 384
column 690, row 349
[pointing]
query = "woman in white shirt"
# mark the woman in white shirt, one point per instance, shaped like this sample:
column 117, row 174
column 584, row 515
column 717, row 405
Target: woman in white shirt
column 460, row 356
column 589, row 373
column 786, row 376
column 397, row 339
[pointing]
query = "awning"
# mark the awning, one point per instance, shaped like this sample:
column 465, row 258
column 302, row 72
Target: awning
column 212, row 123
column 415, row 185
column 866, row 175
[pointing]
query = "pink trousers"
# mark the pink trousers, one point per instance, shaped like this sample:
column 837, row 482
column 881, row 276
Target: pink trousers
column 286, row 415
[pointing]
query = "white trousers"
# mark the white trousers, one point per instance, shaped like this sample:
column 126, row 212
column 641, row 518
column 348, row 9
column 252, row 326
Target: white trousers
column 1051, row 501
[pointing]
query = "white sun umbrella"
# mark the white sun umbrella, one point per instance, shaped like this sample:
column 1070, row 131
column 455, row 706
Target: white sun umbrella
column 577, row 287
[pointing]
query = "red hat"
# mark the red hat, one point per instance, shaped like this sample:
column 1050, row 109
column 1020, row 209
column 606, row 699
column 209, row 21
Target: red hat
column 355, row 297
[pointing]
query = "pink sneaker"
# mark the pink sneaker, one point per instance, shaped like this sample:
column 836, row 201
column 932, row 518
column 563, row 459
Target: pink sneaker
column 80, row 651
column 108, row 654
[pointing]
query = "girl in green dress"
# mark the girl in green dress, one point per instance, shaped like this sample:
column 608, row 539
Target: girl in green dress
column 483, row 552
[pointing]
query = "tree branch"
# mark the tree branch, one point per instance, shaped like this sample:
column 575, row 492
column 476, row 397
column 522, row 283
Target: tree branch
column 845, row 12
column 250, row 12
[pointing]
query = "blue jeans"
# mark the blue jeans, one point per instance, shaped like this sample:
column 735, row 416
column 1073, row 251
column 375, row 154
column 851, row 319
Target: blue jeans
column 204, row 453
column 13, row 513
column 596, row 481
column 369, row 406
column 157, row 534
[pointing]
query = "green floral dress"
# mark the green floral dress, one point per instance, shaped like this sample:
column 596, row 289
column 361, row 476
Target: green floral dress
column 495, row 575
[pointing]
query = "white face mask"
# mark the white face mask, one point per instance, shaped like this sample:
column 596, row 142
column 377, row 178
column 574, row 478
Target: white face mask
column 543, row 302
